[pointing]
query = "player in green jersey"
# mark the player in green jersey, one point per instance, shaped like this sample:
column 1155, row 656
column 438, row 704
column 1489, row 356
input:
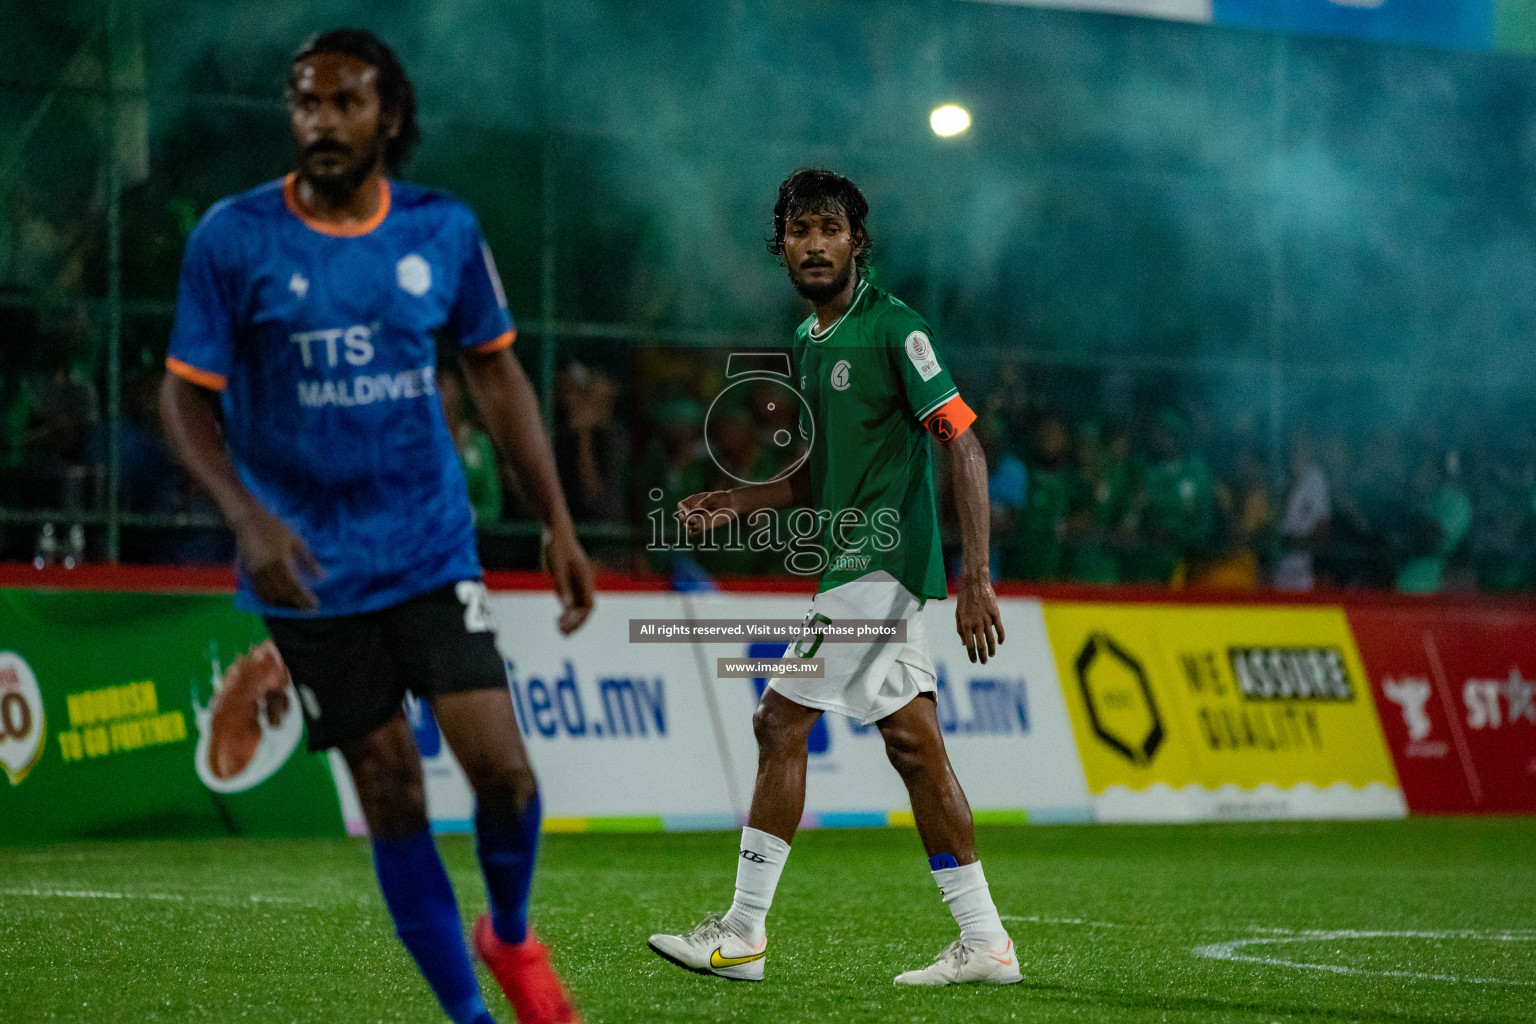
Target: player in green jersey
column 874, row 387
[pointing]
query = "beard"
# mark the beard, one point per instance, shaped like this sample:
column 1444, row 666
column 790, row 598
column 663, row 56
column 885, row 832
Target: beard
column 816, row 294
column 339, row 185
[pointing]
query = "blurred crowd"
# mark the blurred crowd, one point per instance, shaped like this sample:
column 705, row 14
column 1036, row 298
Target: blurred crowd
column 1174, row 494
column 1168, row 492
column 1160, row 489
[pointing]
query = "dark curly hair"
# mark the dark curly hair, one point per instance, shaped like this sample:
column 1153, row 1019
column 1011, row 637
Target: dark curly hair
column 396, row 94
column 815, row 190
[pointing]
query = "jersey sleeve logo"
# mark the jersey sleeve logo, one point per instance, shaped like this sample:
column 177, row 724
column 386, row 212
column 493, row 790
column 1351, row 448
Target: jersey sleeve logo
column 920, row 351
column 414, row 275
column 840, row 373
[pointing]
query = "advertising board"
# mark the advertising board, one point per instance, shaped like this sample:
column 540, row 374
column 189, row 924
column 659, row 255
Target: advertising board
column 1004, row 724
column 619, row 733
column 631, row 735
column 1456, row 688
column 1188, row 713
column 110, row 724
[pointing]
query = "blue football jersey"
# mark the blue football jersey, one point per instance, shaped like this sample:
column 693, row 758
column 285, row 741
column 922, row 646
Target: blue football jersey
column 323, row 342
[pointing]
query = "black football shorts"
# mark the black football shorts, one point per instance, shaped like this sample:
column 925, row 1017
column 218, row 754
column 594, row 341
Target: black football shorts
column 352, row 671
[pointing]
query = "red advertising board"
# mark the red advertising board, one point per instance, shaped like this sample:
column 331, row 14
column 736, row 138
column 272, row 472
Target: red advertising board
column 1456, row 690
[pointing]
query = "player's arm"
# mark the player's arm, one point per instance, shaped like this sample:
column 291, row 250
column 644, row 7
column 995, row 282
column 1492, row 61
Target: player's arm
column 510, row 410
column 935, row 401
column 977, row 618
column 709, row 509
column 273, row 555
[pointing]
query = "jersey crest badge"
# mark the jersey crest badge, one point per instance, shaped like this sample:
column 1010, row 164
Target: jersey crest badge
column 840, row 372
column 298, row 284
column 920, row 351
column 414, row 275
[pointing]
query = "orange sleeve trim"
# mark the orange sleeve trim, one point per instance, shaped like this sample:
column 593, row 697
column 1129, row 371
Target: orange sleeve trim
column 326, row 227
column 202, row 378
column 497, row 343
column 950, row 420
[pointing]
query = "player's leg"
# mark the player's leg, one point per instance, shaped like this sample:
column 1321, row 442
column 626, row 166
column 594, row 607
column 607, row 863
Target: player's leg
column 781, row 728
column 736, row 945
column 386, row 771
column 481, row 729
column 445, row 643
column 915, row 747
column 778, row 801
column 350, row 687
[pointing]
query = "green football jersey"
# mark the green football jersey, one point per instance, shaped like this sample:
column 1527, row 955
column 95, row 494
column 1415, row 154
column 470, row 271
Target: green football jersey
column 869, row 382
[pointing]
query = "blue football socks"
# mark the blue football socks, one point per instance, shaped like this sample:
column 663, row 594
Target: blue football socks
column 420, row 899
column 507, row 848
column 940, row 861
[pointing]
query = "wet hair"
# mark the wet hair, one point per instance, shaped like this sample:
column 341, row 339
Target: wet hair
column 396, row 94
column 814, row 190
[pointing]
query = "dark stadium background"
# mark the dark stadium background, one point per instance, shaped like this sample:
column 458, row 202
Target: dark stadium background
column 1265, row 235
column 1186, row 274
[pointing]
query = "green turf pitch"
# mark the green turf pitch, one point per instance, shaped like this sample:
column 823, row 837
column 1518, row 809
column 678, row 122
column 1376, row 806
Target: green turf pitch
column 1107, row 921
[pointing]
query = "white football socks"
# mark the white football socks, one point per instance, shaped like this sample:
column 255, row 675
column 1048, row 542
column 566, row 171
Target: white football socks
column 758, row 868
column 965, row 890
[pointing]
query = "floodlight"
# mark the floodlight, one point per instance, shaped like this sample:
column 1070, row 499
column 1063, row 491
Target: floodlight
column 949, row 120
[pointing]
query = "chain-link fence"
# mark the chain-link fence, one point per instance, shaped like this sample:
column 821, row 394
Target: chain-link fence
column 1189, row 276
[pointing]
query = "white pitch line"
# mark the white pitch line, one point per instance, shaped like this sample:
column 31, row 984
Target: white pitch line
column 1033, row 919
column 175, row 897
column 91, row 894
column 1231, row 951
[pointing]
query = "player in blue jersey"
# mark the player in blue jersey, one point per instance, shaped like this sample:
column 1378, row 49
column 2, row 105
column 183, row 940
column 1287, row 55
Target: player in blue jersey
column 301, row 394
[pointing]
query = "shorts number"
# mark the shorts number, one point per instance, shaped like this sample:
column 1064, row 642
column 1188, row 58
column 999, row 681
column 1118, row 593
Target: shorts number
column 477, row 614
column 812, row 620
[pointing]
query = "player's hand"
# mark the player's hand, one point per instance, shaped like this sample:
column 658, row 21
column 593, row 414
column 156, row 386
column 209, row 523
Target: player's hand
column 574, row 581
column 277, row 561
column 706, row 510
column 977, row 618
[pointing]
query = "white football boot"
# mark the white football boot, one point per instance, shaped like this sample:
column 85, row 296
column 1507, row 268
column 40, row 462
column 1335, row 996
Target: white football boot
column 960, row 963
column 712, row 948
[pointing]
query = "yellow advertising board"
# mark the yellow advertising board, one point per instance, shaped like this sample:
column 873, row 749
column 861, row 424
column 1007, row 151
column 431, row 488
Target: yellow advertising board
column 1191, row 712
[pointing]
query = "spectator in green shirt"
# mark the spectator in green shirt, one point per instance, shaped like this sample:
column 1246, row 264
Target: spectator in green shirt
column 477, row 454
column 1102, row 500
column 740, row 454
column 1444, row 517
column 671, row 467
column 1038, row 539
column 1178, row 501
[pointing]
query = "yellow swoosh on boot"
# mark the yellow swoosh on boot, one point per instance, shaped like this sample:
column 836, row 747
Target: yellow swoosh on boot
column 717, row 961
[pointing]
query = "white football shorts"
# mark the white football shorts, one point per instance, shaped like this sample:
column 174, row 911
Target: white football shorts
column 864, row 680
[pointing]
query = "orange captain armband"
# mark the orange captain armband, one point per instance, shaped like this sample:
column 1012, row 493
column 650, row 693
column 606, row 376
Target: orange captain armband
column 950, row 420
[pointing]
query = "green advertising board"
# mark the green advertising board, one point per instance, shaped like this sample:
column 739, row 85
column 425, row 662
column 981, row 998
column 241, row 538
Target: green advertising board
column 106, row 724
